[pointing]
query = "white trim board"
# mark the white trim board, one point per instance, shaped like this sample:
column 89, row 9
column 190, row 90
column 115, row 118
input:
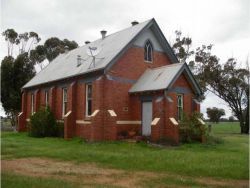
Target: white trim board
column 174, row 121
column 155, row 121
column 128, row 122
column 112, row 113
column 83, row 122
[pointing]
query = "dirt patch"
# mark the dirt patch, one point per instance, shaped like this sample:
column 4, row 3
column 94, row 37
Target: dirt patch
column 85, row 173
column 93, row 174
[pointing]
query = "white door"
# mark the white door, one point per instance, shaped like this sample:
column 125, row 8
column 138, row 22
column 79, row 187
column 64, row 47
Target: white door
column 146, row 118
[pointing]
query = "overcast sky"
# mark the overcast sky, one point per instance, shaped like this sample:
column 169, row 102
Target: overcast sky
column 224, row 23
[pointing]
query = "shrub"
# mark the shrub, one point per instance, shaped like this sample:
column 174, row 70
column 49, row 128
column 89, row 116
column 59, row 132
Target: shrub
column 43, row 123
column 60, row 129
column 191, row 128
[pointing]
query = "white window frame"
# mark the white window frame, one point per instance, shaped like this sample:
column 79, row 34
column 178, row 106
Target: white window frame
column 148, row 45
column 32, row 103
column 181, row 106
column 64, row 100
column 87, row 98
column 46, row 98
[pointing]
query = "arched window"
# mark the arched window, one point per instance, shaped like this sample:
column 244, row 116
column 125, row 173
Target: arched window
column 148, row 51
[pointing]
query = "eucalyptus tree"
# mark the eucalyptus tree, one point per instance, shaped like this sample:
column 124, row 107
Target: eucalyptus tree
column 10, row 36
column 18, row 69
column 226, row 80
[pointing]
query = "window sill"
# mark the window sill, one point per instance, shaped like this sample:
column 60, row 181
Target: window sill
column 148, row 62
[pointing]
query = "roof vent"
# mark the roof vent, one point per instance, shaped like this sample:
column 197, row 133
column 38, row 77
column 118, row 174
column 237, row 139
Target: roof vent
column 134, row 23
column 79, row 60
column 103, row 33
column 87, row 42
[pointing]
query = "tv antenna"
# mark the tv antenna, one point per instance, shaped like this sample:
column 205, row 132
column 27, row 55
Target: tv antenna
column 93, row 52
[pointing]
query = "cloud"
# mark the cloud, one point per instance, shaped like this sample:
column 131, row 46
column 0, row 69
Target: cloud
column 213, row 21
column 214, row 101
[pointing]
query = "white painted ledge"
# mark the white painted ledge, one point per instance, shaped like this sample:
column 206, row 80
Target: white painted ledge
column 83, row 122
column 128, row 122
column 174, row 121
column 94, row 113
column 112, row 113
column 155, row 121
column 201, row 121
column 68, row 113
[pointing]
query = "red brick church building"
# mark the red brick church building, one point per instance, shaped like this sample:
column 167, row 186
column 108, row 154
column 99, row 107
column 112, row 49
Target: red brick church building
column 127, row 81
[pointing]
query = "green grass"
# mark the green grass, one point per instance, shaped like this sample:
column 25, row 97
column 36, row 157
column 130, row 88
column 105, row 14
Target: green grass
column 226, row 128
column 12, row 180
column 226, row 160
column 172, row 181
column 18, row 181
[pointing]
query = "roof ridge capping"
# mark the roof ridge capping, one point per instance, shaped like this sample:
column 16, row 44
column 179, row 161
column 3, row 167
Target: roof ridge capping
column 99, row 39
column 134, row 26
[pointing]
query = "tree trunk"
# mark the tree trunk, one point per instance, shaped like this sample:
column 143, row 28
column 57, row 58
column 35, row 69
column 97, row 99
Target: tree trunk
column 244, row 127
column 247, row 127
column 13, row 120
column 247, row 114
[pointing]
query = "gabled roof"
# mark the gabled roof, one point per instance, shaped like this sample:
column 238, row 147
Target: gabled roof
column 162, row 78
column 112, row 47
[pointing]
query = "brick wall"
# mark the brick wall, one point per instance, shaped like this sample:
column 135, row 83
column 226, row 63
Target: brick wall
column 58, row 102
column 109, row 94
column 80, row 105
column 130, row 66
column 28, row 104
column 188, row 97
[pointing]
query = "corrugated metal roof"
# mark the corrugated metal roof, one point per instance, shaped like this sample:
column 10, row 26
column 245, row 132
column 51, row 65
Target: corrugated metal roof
column 65, row 65
column 157, row 78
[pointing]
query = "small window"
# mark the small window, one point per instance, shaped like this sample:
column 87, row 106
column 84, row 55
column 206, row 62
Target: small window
column 65, row 101
column 88, row 99
column 32, row 104
column 46, row 98
column 179, row 106
column 148, row 51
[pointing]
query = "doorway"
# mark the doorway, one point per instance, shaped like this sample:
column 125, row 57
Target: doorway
column 146, row 118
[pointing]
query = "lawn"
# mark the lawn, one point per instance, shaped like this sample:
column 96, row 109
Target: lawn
column 226, row 128
column 226, row 160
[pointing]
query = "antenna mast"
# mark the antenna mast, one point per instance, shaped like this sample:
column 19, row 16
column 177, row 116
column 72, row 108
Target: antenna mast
column 93, row 52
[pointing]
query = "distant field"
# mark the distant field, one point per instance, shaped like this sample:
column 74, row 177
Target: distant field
column 5, row 122
column 6, row 125
column 226, row 128
column 54, row 162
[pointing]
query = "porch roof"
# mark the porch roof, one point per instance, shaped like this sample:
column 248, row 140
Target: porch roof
column 162, row 78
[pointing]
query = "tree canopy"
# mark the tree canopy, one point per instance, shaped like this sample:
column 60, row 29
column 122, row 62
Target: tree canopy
column 10, row 36
column 215, row 114
column 17, row 71
column 226, row 80
column 54, row 46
